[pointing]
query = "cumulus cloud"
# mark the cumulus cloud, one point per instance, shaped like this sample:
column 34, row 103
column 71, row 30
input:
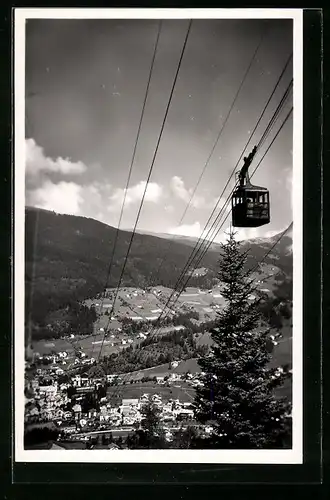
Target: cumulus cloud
column 134, row 194
column 178, row 188
column 37, row 161
column 64, row 197
column 91, row 200
column 180, row 191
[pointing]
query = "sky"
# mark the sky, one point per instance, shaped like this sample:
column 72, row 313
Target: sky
column 85, row 86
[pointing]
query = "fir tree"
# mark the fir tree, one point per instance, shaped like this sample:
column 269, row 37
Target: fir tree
column 237, row 396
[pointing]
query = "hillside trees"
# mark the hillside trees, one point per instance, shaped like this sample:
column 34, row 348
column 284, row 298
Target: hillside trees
column 185, row 437
column 238, row 392
column 67, row 259
column 151, row 434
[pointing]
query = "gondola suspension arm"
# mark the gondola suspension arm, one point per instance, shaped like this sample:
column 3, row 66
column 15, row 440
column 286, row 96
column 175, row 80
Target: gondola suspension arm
column 243, row 174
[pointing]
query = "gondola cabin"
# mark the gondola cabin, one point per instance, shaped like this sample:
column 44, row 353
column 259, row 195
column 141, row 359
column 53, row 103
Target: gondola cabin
column 250, row 206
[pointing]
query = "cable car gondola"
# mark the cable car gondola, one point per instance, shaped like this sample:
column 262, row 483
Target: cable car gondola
column 250, row 204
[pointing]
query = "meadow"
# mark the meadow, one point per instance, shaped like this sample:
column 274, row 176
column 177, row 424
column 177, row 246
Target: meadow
column 184, row 392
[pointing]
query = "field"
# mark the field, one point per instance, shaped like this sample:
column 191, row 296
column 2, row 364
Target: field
column 189, row 365
column 179, row 390
column 137, row 304
column 90, row 345
column 132, row 303
column 134, row 391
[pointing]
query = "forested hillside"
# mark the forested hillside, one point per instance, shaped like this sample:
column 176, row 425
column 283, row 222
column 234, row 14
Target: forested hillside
column 67, row 260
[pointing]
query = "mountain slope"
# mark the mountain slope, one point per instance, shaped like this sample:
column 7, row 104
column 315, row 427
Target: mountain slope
column 179, row 238
column 281, row 255
column 67, row 259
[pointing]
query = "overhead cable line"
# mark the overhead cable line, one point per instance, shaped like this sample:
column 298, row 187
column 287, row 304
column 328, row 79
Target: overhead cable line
column 179, row 282
column 210, row 242
column 156, row 329
column 149, row 174
column 261, row 141
column 282, row 234
column 201, row 240
column 217, row 229
column 125, row 378
column 254, row 55
column 131, row 164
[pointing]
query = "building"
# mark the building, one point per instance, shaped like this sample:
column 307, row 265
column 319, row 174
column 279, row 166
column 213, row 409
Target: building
column 130, row 402
column 77, row 411
column 76, row 381
column 48, row 389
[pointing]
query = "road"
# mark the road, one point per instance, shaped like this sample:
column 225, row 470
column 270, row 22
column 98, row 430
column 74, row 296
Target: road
column 115, row 432
column 120, row 432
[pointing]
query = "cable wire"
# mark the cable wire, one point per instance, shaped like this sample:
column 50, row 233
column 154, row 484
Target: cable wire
column 130, row 169
column 254, row 55
column 156, row 330
column 229, row 196
column 149, row 174
column 219, row 228
column 202, row 240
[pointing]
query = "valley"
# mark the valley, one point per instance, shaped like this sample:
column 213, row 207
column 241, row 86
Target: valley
column 141, row 340
column 74, row 275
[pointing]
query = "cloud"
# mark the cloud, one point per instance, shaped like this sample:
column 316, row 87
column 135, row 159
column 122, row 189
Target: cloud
column 64, row 197
column 134, row 194
column 180, row 191
column 178, row 188
column 36, row 162
column 187, row 229
column 91, row 200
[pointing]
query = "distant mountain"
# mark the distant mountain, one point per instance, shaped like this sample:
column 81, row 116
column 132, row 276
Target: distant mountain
column 258, row 247
column 279, row 245
column 187, row 240
column 67, row 259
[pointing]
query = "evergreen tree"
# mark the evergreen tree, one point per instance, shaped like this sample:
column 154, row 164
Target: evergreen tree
column 237, row 396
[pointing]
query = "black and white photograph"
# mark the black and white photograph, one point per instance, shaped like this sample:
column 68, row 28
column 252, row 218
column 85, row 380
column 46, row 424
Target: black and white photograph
column 158, row 235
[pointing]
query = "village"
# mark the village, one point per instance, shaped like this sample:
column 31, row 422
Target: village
column 84, row 406
column 66, row 388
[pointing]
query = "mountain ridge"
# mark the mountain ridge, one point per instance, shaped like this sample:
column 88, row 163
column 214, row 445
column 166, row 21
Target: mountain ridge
column 192, row 240
column 67, row 259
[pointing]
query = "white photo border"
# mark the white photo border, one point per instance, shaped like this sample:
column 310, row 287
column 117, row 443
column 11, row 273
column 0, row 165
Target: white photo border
column 291, row 456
